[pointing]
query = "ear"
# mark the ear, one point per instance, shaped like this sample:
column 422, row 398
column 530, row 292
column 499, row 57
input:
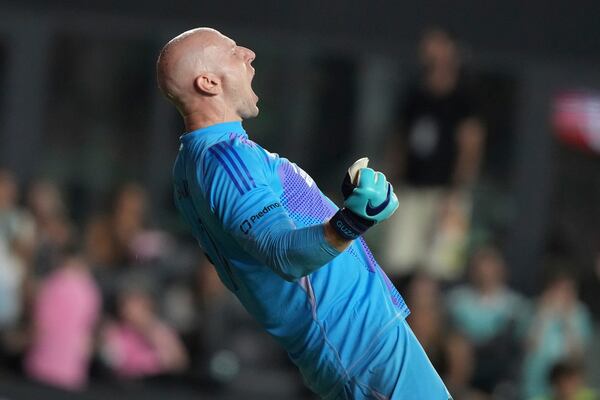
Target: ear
column 208, row 83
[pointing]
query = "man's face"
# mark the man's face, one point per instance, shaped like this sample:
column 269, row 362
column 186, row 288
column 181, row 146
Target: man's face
column 437, row 50
column 237, row 74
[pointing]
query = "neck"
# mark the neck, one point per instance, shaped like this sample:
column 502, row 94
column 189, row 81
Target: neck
column 442, row 80
column 201, row 118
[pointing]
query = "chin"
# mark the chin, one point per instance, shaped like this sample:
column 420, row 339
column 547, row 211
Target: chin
column 250, row 113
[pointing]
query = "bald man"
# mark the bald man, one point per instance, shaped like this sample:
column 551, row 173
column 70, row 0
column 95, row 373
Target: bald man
column 294, row 259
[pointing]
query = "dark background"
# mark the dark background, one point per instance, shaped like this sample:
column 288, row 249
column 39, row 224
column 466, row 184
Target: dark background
column 79, row 104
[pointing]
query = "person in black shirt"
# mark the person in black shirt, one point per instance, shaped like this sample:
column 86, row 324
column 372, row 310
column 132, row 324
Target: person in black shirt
column 436, row 154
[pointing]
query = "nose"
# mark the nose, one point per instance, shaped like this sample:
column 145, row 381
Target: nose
column 250, row 55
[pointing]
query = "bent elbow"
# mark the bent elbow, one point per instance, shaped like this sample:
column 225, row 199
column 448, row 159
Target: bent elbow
column 290, row 273
column 290, row 278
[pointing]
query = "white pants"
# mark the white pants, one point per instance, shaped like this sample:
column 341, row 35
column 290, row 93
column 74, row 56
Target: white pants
column 428, row 231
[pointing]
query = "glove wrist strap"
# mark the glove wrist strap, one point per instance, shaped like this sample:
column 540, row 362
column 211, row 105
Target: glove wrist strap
column 349, row 225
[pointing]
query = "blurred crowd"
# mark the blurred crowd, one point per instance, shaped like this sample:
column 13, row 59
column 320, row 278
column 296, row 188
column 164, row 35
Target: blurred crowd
column 490, row 342
column 114, row 296
column 486, row 339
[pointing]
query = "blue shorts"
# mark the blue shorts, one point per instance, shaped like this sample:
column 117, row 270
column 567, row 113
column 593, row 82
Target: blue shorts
column 398, row 369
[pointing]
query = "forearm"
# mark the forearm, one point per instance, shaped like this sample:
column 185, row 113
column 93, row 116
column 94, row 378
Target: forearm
column 470, row 144
column 294, row 253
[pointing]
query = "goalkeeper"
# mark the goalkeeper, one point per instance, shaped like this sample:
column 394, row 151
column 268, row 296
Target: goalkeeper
column 296, row 262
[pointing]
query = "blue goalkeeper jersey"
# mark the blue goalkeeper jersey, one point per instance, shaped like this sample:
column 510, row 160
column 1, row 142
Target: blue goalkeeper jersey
column 259, row 217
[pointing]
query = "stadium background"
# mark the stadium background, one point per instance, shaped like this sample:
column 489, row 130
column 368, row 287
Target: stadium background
column 79, row 111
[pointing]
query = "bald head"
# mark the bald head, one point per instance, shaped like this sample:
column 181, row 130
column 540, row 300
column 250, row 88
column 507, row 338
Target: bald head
column 204, row 72
column 185, row 57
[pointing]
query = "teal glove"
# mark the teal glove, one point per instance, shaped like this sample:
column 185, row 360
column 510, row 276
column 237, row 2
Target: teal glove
column 368, row 199
column 373, row 197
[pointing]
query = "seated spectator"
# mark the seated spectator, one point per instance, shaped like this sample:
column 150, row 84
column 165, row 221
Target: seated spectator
column 100, row 245
column 139, row 241
column 129, row 216
column 17, row 232
column 567, row 381
column 426, row 317
column 486, row 306
column 491, row 316
column 561, row 328
column 54, row 231
column 105, row 257
column 457, row 368
column 139, row 344
column 65, row 313
column 17, row 228
column 117, row 239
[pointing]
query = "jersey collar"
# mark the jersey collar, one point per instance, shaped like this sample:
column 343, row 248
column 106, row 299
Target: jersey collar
column 234, row 127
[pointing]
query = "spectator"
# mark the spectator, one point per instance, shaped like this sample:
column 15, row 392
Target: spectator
column 54, row 231
column 458, row 366
column 590, row 295
column 17, row 231
column 139, row 344
column 118, row 242
column 567, row 382
column 561, row 328
column 491, row 316
column 441, row 142
column 100, row 245
column 65, row 313
column 426, row 317
column 103, row 254
column 110, row 237
column 129, row 216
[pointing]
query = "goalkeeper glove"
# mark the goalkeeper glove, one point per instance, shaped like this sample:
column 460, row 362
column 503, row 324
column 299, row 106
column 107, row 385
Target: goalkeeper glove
column 368, row 199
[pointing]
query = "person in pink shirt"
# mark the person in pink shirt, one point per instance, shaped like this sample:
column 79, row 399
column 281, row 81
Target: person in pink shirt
column 65, row 313
column 140, row 344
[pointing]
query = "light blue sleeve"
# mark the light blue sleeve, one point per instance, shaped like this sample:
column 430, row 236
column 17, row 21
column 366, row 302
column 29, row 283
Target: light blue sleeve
column 238, row 184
